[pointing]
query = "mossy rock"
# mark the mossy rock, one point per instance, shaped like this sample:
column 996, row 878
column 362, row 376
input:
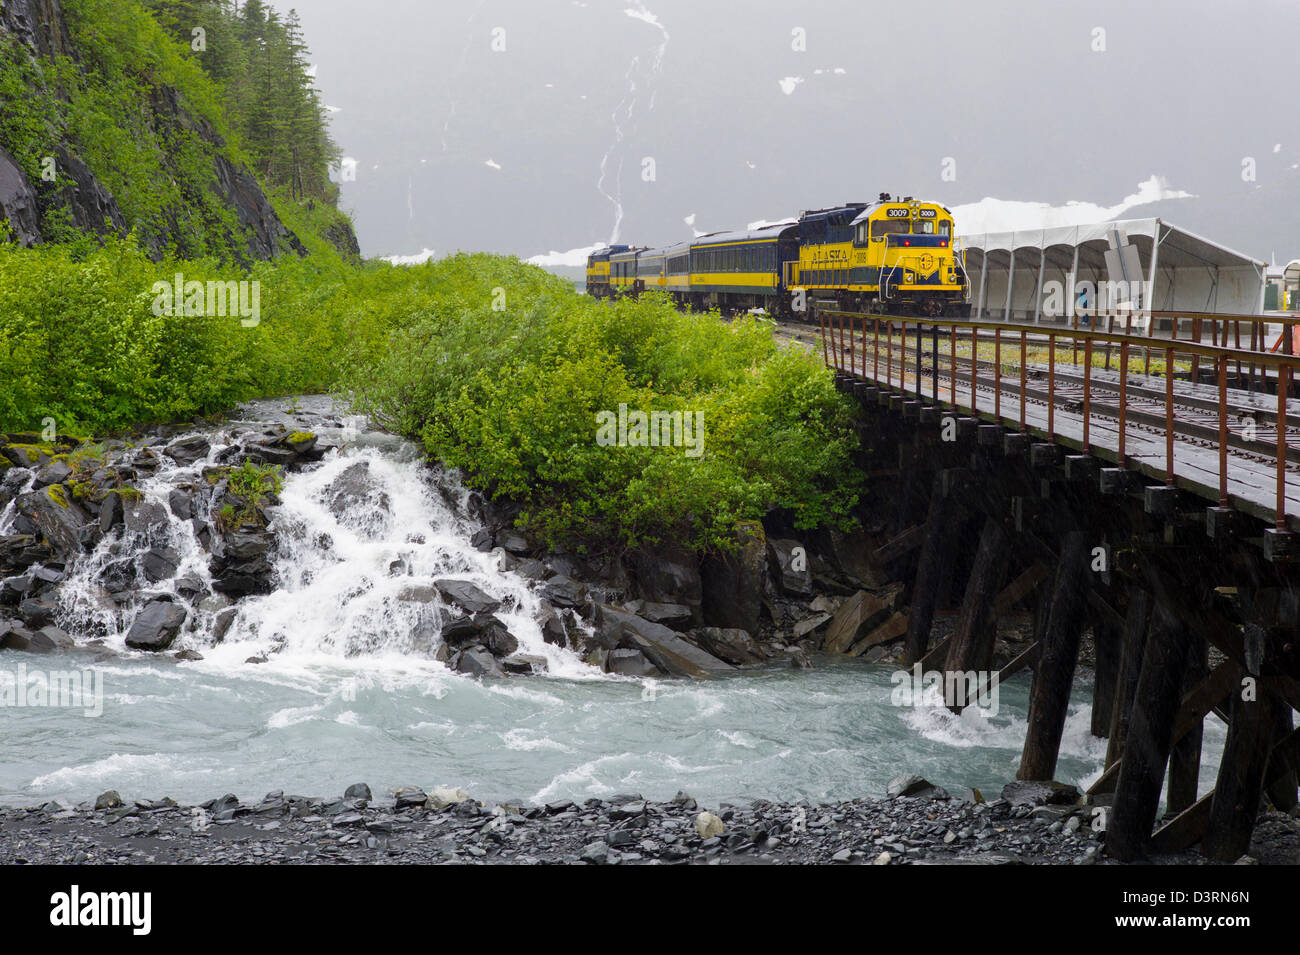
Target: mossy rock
column 299, row 438
column 58, row 494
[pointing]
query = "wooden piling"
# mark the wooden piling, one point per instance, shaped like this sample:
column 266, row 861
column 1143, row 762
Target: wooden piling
column 1240, row 782
column 1132, row 646
column 1282, row 787
column 1108, row 640
column 1185, row 755
column 972, row 641
column 934, row 565
column 1146, row 748
column 1058, row 655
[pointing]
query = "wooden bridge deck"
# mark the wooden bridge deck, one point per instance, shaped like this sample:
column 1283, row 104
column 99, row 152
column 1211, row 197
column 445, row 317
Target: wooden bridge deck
column 1225, row 444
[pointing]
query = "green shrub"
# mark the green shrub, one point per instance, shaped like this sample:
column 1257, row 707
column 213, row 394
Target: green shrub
column 511, row 395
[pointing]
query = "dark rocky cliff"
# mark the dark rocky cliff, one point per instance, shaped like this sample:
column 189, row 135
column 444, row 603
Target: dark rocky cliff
column 40, row 27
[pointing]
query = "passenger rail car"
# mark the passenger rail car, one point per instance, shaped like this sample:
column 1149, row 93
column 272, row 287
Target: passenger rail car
column 896, row 256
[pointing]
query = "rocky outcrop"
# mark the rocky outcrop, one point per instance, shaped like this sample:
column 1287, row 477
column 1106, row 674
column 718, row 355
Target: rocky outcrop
column 18, row 202
column 88, row 205
column 38, row 25
column 618, row 630
column 733, row 582
column 91, row 207
column 788, row 561
column 734, row 646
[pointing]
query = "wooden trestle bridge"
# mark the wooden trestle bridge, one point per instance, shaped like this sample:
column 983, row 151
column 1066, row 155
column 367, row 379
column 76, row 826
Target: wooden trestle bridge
column 1141, row 481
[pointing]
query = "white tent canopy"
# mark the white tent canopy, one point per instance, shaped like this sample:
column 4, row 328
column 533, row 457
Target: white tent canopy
column 1025, row 275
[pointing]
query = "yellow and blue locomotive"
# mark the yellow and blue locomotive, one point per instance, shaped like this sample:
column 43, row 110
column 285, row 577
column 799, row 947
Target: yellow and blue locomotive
column 889, row 256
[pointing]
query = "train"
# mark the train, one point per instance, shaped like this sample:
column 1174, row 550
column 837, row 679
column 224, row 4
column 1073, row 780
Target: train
column 890, row 256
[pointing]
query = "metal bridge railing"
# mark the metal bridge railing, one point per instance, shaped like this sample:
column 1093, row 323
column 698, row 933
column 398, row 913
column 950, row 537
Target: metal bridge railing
column 875, row 348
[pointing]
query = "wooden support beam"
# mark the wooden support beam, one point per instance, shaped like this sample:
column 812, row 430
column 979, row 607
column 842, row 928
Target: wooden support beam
column 1240, row 782
column 1205, row 696
column 1026, row 658
column 1185, row 829
column 1283, row 761
column 906, row 542
column 892, row 629
column 1059, row 654
column 1185, row 754
column 1020, row 588
column 1281, row 779
column 1132, row 647
column 1108, row 640
column 972, row 641
column 1201, row 700
column 937, row 655
column 935, row 564
column 1146, row 748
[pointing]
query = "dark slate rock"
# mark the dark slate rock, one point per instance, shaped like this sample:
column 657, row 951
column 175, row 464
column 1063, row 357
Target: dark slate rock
column 156, row 626
column 466, row 596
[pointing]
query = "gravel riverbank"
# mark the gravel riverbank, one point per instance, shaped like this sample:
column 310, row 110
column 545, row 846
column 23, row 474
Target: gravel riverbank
column 446, row 826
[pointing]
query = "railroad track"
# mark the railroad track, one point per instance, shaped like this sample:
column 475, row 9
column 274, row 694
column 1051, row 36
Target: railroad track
column 1252, row 429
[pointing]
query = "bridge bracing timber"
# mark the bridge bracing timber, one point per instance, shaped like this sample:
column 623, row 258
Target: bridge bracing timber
column 1136, row 475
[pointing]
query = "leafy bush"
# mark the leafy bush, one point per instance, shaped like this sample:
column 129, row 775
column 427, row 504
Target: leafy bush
column 510, row 396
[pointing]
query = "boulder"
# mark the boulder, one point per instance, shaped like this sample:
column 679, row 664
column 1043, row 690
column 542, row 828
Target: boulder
column 907, row 785
column 54, row 515
column 525, row 663
column 563, row 591
column 241, row 561
column 810, row 625
column 466, row 596
column 51, row 640
column 669, row 575
column 358, row 791
column 857, row 617
column 513, row 543
column 707, row 825
column 20, row 551
column 444, row 796
column 14, row 590
column 733, row 582
column 37, row 612
column 14, row 636
column 181, row 503
column 630, row 663
column 1039, row 793
column 479, row 662
column 661, row 646
column 56, row 472
column 734, row 646
column 222, row 622
column 188, row 450
column 789, row 566
column 160, row 563
column 674, row 616
column 156, row 626
column 147, row 518
column 110, row 512
column 553, row 629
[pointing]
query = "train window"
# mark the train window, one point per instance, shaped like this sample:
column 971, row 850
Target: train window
column 924, row 226
column 888, row 227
